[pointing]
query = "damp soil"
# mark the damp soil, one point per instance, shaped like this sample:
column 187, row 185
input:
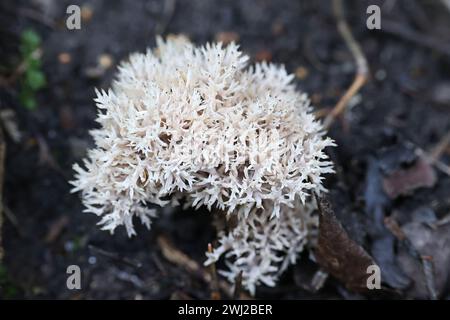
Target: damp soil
column 405, row 105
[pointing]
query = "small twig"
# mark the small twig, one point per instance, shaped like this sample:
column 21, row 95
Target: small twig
column 56, row 228
column 237, row 287
column 428, row 270
column 425, row 261
column 20, row 69
column 179, row 258
column 130, row 278
column 362, row 69
column 115, row 256
column 46, row 157
column 437, row 151
column 318, row 280
column 38, row 17
column 214, row 284
column 442, row 167
column 418, row 38
column 442, row 222
column 2, row 172
column 159, row 264
column 436, row 162
column 9, row 123
column 12, row 219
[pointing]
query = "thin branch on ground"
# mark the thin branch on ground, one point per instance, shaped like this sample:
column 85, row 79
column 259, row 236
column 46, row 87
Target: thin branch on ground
column 439, row 149
column 428, row 270
column 179, row 258
column 214, row 284
column 38, row 17
column 425, row 261
column 433, row 156
column 442, row 222
column 362, row 69
column 2, row 172
column 318, row 280
column 115, row 256
column 399, row 30
column 19, row 70
column 238, row 287
column 8, row 214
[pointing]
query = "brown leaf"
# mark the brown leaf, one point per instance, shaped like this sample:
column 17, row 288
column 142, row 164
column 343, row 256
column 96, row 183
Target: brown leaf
column 433, row 247
column 376, row 205
column 405, row 180
column 338, row 254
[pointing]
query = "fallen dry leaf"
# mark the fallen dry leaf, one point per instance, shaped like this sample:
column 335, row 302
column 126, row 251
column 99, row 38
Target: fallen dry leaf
column 376, row 204
column 405, row 180
column 338, row 254
column 431, row 243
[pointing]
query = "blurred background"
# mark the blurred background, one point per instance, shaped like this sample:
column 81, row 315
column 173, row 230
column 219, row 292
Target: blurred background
column 391, row 191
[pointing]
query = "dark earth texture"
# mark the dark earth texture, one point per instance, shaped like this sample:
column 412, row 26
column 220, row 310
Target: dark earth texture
column 403, row 108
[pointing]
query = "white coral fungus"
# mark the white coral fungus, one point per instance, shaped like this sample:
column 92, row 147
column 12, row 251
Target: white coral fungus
column 261, row 247
column 197, row 123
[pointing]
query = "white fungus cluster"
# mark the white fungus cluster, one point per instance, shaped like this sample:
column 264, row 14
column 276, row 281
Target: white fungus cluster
column 261, row 248
column 198, row 124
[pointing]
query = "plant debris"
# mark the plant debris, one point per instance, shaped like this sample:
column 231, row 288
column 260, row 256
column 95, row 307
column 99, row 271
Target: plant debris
column 383, row 241
column 338, row 254
column 403, row 181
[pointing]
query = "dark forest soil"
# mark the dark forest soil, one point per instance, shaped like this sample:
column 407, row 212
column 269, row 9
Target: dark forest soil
column 406, row 104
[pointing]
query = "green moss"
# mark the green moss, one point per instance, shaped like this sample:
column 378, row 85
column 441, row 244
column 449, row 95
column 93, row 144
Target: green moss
column 33, row 78
column 7, row 288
